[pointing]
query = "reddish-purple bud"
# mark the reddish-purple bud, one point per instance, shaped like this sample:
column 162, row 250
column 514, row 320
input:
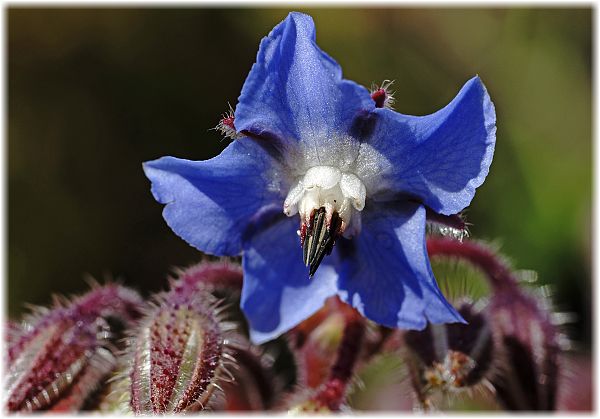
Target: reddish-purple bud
column 212, row 276
column 177, row 352
column 317, row 355
column 379, row 97
column 61, row 355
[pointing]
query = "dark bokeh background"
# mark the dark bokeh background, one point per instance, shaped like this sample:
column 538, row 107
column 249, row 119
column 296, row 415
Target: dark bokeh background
column 92, row 93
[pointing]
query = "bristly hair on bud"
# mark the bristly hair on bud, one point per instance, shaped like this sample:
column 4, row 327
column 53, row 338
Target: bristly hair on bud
column 61, row 355
column 226, row 125
column 452, row 226
column 218, row 277
column 176, row 357
column 382, row 95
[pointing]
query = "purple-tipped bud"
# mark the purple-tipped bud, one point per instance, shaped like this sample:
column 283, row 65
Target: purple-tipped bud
column 177, row 353
column 176, row 356
column 212, row 276
column 61, row 355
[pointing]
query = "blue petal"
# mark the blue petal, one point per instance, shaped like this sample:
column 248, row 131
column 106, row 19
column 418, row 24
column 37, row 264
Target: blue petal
column 277, row 292
column 385, row 273
column 295, row 92
column 440, row 158
column 211, row 203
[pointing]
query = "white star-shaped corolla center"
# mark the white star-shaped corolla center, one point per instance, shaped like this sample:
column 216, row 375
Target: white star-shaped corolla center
column 330, row 188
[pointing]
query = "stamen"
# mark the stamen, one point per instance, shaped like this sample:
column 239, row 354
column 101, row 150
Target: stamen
column 329, row 202
column 318, row 237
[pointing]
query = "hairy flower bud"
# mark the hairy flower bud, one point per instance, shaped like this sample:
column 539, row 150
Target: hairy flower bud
column 176, row 355
column 59, row 356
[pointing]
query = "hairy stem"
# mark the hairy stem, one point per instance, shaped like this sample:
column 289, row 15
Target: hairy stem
column 332, row 393
column 497, row 271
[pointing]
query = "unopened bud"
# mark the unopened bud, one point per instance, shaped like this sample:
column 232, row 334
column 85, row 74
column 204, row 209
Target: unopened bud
column 61, row 355
column 177, row 352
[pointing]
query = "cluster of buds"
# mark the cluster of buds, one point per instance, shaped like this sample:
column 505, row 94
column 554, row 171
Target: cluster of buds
column 186, row 349
column 57, row 358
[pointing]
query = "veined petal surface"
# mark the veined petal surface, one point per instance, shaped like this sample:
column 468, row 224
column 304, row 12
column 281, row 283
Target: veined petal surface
column 439, row 158
column 295, row 93
column 385, row 272
column 277, row 292
column 211, row 203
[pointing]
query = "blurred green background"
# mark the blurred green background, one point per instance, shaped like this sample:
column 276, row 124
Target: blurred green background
column 92, row 93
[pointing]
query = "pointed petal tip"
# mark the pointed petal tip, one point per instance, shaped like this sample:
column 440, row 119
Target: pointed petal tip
column 300, row 15
column 151, row 167
column 451, row 316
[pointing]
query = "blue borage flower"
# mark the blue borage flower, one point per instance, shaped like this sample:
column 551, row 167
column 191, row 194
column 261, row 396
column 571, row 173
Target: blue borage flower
column 316, row 152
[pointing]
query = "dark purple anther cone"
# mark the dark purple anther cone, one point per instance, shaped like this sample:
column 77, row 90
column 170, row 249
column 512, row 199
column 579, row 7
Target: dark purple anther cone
column 177, row 352
column 525, row 339
column 61, row 355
